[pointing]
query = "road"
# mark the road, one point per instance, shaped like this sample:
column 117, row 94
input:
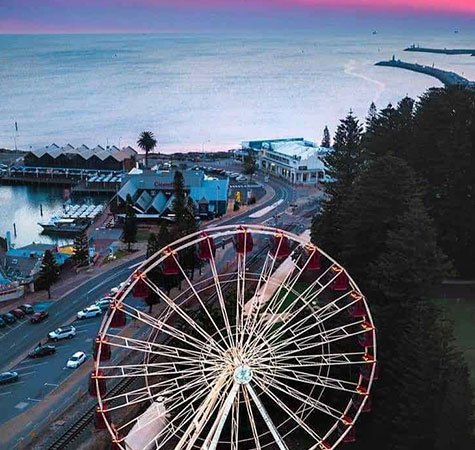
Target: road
column 40, row 377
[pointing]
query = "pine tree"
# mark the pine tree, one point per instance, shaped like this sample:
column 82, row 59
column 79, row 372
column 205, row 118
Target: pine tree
column 130, row 223
column 49, row 272
column 343, row 163
column 164, row 238
column 81, row 249
column 151, row 245
column 326, row 141
column 372, row 116
column 249, row 164
column 179, row 202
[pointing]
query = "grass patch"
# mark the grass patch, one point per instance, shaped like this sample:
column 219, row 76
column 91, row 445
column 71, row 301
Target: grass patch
column 462, row 313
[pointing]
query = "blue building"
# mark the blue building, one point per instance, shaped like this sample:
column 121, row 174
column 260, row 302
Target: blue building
column 153, row 192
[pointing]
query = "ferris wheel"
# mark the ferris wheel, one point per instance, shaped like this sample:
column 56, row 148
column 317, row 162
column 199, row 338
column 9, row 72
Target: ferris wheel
column 255, row 339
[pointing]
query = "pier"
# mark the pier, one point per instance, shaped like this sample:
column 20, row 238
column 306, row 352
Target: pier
column 441, row 51
column 444, row 76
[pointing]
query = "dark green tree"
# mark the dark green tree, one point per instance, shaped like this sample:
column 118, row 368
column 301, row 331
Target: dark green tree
column 179, row 202
column 163, row 237
column 372, row 116
column 49, row 272
column 343, row 164
column 249, row 164
column 130, row 223
column 147, row 143
column 326, row 141
column 81, row 249
column 151, row 245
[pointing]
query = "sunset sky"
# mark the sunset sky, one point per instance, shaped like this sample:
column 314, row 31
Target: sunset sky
column 45, row 16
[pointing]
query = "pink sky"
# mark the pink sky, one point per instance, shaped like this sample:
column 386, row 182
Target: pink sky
column 43, row 16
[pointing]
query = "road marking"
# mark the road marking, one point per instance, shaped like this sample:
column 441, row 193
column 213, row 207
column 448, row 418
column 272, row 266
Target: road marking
column 13, row 345
column 5, row 393
column 34, row 365
column 51, row 384
column 21, row 405
column 27, row 373
column 105, row 281
column 33, row 399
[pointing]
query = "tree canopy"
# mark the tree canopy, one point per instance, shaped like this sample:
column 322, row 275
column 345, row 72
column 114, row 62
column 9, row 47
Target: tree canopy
column 147, row 142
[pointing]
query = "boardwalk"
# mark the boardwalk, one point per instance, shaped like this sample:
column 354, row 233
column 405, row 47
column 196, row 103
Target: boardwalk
column 445, row 77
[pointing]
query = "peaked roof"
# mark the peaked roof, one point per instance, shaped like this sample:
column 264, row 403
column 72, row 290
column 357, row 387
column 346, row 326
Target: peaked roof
column 85, row 152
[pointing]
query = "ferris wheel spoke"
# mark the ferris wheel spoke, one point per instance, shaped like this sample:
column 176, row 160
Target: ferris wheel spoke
column 162, row 325
column 323, row 338
column 170, row 407
column 267, row 419
column 305, row 299
column 323, row 360
column 297, row 395
column 203, row 413
column 288, row 283
column 235, row 422
column 155, row 348
column 240, row 294
column 212, row 440
column 299, row 328
column 178, row 310
column 219, row 293
column 143, row 394
column 199, row 299
column 298, row 420
column 250, row 415
column 143, row 370
column 316, row 380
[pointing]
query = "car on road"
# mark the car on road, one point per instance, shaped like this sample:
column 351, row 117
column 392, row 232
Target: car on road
column 104, row 303
column 8, row 377
column 27, row 309
column 42, row 350
column 17, row 313
column 76, row 360
column 39, row 317
column 8, row 318
column 62, row 333
column 90, row 311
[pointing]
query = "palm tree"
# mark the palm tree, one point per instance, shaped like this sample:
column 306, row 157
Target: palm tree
column 147, row 142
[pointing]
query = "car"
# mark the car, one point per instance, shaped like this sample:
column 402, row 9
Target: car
column 62, row 333
column 2, row 323
column 39, row 317
column 76, row 360
column 27, row 309
column 17, row 313
column 8, row 377
column 42, row 350
column 90, row 311
column 104, row 303
column 8, row 318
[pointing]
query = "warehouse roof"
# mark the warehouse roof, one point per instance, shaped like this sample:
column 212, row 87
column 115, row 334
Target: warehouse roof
column 85, row 152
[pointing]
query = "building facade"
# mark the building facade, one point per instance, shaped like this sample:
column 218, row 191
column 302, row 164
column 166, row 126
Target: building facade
column 294, row 159
column 68, row 157
column 153, row 192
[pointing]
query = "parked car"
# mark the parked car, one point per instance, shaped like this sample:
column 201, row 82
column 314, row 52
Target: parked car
column 17, row 313
column 90, row 311
column 2, row 323
column 62, row 333
column 42, row 350
column 27, row 309
column 76, row 360
column 39, row 317
column 8, row 318
column 8, row 377
column 104, row 303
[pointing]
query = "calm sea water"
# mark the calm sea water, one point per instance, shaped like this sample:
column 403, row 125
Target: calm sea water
column 20, row 205
column 203, row 91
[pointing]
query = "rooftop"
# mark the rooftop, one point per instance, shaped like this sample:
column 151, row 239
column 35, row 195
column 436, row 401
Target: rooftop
column 85, row 152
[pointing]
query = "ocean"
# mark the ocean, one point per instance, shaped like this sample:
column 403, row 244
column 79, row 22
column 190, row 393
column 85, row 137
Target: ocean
column 203, row 92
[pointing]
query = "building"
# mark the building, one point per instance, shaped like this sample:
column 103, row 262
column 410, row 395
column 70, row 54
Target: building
column 67, row 157
column 152, row 192
column 295, row 159
column 23, row 264
column 9, row 290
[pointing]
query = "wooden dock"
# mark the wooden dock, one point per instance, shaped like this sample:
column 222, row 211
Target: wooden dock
column 445, row 77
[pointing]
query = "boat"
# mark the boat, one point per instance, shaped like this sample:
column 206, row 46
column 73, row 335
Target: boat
column 62, row 225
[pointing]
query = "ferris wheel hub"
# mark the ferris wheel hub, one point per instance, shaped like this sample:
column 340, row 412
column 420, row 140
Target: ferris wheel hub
column 243, row 374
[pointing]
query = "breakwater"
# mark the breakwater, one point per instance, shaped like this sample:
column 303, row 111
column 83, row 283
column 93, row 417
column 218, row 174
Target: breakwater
column 442, row 51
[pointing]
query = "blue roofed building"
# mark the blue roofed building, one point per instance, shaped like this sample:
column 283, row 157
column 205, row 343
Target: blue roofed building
column 152, row 192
